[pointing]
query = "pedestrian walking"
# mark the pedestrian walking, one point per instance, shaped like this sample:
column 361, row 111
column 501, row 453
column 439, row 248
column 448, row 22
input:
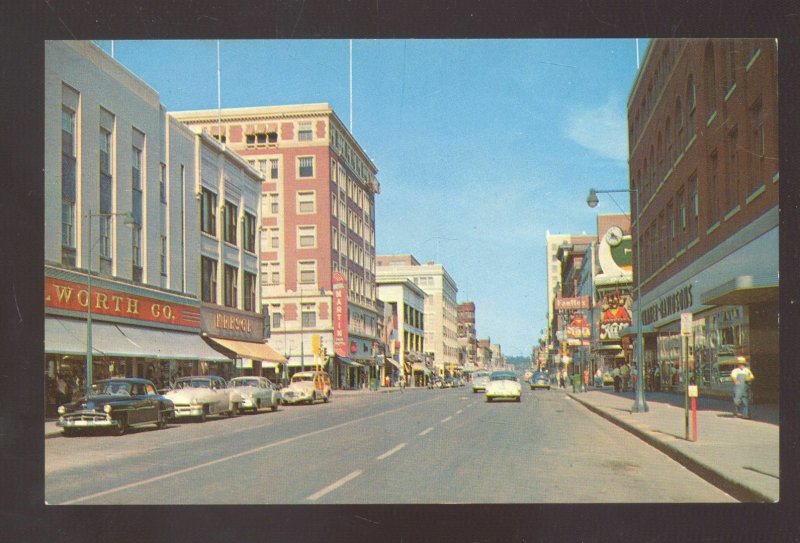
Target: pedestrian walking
column 615, row 373
column 585, row 379
column 657, row 379
column 598, row 378
column 741, row 377
column 561, row 379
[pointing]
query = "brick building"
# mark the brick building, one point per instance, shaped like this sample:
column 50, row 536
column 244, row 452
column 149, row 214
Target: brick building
column 703, row 140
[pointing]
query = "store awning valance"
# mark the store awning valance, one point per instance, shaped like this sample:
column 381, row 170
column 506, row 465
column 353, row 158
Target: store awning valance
column 743, row 290
column 394, row 363
column 349, row 362
column 250, row 349
column 609, row 348
column 68, row 336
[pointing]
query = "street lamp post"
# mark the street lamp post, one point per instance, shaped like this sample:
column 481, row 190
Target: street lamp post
column 89, row 348
column 302, row 355
column 639, row 404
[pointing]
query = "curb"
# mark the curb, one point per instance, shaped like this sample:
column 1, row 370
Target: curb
column 734, row 488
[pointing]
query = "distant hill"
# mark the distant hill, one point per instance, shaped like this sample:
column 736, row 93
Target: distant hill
column 520, row 362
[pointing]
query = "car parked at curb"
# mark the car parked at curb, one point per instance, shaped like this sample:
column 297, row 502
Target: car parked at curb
column 479, row 381
column 200, row 396
column 116, row 404
column 257, row 392
column 307, row 387
column 503, row 385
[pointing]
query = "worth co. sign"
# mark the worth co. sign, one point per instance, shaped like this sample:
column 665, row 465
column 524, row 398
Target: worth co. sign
column 71, row 296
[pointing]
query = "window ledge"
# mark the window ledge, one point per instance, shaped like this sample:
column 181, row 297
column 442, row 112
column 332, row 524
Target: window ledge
column 755, row 194
column 711, row 118
column 694, row 242
column 691, row 142
column 776, row 177
column 730, row 92
column 753, row 60
column 210, row 236
column 712, row 227
column 732, row 212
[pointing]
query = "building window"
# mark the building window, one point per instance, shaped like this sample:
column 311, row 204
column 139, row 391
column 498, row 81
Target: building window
column 308, row 273
column 208, row 278
column 732, row 185
column 208, row 212
column 680, row 134
column 272, row 138
column 309, row 319
column 709, row 88
column 230, row 214
column 273, row 203
column 682, row 210
column 305, row 166
column 273, row 168
column 757, row 145
column 306, row 203
column 277, row 319
column 163, row 255
column 691, row 106
column 136, row 250
column 106, row 188
column 162, row 183
column 249, row 300
column 694, row 202
column 713, row 189
column 304, row 132
column 274, row 237
column 230, row 285
column 136, row 168
column 249, row 232
column 306, row 237
column 68, row 179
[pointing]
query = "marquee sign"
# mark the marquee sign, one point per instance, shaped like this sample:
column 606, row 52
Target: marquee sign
column 340, row 339
column 71, row 296
column 615, row 316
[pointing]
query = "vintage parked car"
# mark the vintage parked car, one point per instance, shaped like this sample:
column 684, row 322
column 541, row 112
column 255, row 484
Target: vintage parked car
column 257, row 392
column 308, row 387
column 116, row 404
column 539, row 379
column 201, row 396
column 479, row 381
column 503, row 384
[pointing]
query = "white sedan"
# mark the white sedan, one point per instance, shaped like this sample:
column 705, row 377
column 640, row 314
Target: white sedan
column 257, row 392
column 200, row 396
column 503, row 385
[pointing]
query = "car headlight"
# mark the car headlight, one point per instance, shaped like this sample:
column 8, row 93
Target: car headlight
column 107, row 408
column 62, row 410
column 193, row 401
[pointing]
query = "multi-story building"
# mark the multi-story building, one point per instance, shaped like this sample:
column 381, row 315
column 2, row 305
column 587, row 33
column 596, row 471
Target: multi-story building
column 440, row 306
column 485, row 354
column 466, row 333
column 407, row 339
column 703, row 133
column 498, row 359
column 122, row 215
column 317, row 231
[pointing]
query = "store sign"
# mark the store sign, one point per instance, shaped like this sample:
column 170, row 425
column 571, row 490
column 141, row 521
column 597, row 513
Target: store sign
column 71, row 296
column 340, row 343
column 227, row 323
column 578, row 302
column 675, row 302
column 615, row 316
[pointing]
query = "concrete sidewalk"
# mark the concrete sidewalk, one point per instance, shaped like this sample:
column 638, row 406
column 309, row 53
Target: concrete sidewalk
column 737, row 455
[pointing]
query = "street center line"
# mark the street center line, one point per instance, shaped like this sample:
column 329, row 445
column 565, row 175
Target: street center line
column 459, row 411
column 445, row 420
column 334, row 486
column 425, row 431
column 390, row 453
column 241, row 454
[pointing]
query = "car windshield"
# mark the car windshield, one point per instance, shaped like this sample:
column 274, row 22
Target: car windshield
column 504, row 376
column 242, row 382
column 193, row 383
column 480, row 376
column 115, row 388
column 300, row 378
column 539, row 375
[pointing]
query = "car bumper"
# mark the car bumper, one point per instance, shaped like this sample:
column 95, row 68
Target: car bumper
column 540, row 385
column 296, row 399
column 87, row 420
column 248, row 403
column 479, row 388
column 188, row 411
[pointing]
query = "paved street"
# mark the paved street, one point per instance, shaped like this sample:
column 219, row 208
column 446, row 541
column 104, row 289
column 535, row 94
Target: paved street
column 418, row 446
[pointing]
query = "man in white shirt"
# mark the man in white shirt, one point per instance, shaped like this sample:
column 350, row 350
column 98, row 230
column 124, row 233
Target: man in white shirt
column 741, row 377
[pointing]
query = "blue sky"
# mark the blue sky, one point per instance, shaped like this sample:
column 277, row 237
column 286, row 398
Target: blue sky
column 481, row 145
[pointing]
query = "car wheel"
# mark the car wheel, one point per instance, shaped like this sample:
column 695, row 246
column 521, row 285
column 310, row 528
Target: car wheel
column 257, row 406
column 519, row 398
column 204, row 415
column 122, row 427
column 69, row 432
column 327, row 397
column 234, row 410
column 488, row 398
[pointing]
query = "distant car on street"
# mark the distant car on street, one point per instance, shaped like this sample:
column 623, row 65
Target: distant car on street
column 308, row 387
column 203, row 395
column 503, row 385
column 116, row 404
column 257, row 392
column 539, row 379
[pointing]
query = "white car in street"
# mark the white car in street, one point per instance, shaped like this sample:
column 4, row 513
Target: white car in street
column 201, row 396
column 308, row 387
column 479, row 381
column 257, row 392
column 503, row 385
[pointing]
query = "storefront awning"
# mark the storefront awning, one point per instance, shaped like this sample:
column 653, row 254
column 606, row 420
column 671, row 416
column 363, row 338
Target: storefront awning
column 420, row 367
column 250, row 349
column 68, row 336
column 610, row 348
column 349, row 362
column 743, row 290
column 394, row 363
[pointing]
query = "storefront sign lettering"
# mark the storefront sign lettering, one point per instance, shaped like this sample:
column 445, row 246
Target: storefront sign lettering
column 340, row 335
column 675, row 302
column 232, row 322
column 62, row 294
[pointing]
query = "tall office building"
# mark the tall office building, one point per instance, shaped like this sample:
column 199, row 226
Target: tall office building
column 317, row 231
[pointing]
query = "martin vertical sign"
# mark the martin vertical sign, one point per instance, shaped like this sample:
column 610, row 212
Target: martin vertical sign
column 340, row 345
